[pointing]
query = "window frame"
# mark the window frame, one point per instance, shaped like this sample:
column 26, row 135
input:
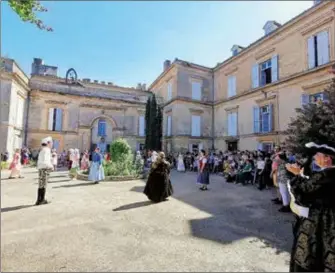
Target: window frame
column 102, row 121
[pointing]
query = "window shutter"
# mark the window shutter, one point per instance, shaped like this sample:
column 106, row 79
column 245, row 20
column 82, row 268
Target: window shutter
column 229, row 87
column 255, row 76
column 234, row 91
column 201, row 146
column 304, row 99
column 190, row 148
column 169, row 95
column 311, row 52
column 193, row 126
column 169, row 126
column 196, row 91
column 234, row 122
column 51, row 119
column 198, row 126
column 323, row 47
column 141, row 126
column 271, row 118
column 274, row 68
column 256, row 119
column 59, row 119
column 229, row 124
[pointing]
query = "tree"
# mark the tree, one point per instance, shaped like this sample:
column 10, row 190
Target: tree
column 148, row 125
column 315, row 122
column 27, row 10
column 159, row 129
column 153, row 122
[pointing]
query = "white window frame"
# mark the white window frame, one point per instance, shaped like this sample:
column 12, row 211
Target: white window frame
column 141, row 126
column 169, row 91
column 231, row 86
column 196, row 90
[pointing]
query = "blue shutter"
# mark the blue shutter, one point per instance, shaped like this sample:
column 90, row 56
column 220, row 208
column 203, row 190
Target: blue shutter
column 55, row 144
column 255, row 76
column 256, row 119
column 304, row 99
column 311, row 52
column 101, row 128
column 59, row 119
column 274, row 68
column 271, row 117
column 323, row 47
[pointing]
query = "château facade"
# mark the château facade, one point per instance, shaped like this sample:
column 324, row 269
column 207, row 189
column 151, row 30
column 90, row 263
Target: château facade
column 244, row 102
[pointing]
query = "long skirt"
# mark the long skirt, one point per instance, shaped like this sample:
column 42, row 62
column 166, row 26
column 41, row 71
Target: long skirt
column 181, row 166
column 203, row 178
column 73, row 172
column 15, row 170
column 96, row 172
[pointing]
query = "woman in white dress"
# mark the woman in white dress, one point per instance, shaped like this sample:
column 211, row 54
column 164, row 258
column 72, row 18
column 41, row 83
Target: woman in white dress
column 54, row 159
column 181, row 166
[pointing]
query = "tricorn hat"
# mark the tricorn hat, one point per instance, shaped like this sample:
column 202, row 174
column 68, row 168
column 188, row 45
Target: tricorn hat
column 323, row 148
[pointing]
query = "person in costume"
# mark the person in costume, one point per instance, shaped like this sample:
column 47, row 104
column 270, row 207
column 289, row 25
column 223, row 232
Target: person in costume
column 97, row 172
column 154, row 156
column 85, row 161
column 181, row 165
column 313, row 196
column 44, row 166
column 54, row 158
column 158, row 187
column 16, row 166
column 74, row 158
column 203, row 173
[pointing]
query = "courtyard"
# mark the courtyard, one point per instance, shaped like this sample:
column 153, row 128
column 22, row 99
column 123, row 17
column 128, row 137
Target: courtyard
column 113, row 227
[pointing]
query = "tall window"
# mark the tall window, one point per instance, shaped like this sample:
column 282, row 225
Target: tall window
column 263, row 117
column 141, row 126
column 232, row 124
column 266, row 72
column 315, row 98
column 318, row 49
column 196, row 90
column 231, row 86
column 169, row 126
column 169, row 91
column 102, row 128
column 55, row 119
column 19, row 112
column 196, row 126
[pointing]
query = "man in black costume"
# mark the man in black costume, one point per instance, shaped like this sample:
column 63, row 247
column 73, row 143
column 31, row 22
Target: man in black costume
column 159, row 187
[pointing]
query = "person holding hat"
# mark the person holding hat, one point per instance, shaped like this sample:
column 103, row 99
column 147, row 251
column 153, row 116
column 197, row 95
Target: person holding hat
column 314, row 203
column 44, row 166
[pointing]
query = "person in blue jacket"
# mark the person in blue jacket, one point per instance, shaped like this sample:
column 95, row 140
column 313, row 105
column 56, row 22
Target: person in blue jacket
column 96, row 170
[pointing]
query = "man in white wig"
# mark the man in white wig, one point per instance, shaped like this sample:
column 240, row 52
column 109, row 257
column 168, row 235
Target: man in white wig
column 44, row 166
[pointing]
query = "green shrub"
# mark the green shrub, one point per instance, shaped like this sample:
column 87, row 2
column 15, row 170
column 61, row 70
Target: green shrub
column 4, row 165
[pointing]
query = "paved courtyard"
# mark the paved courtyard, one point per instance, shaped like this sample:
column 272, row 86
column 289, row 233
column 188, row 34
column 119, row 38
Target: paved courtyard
column 112, row 227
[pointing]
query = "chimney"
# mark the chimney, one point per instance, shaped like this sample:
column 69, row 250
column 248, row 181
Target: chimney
column 139, row 86
column 87, row 80
column 96, row 81
column 110, row 83
column 38, row 61
column 144, row 87
column 36, row 65
column 270, row 26
column 167, row 64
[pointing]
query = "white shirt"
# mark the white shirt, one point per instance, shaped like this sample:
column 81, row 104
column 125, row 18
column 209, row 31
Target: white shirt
column 44, row 159
column 260, row 165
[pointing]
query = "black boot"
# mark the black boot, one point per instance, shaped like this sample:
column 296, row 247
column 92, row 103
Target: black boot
column 39, row 197
column 43, row 200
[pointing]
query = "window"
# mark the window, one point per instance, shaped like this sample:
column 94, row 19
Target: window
column 267, row 147
column 140, row 146
column 19, row 111
column 101, row 128
column 315, row 98
column 263, row 117
column 265, row 73
column 231, row 86
column 318, row 49
column 196, row 126
column 169, row 91
column 55, row 119
column 196, row 90
column 55, row 145
column 169, row 126
column 232, row 124
column 141, row 126
column 235, row 52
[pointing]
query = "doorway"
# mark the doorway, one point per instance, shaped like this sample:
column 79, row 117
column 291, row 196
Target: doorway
column 232, row 146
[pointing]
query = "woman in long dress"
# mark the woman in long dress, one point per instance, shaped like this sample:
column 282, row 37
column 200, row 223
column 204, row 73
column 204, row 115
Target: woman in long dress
column 203, row 174
column 85, row 161
column 97, row 172
column 54, row 159
column 159, row 187
column 181, row 165
column 15, row 166
column 74, row 158
column 313, row 196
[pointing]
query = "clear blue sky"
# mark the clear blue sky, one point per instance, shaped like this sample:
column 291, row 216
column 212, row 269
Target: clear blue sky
column 127, row 42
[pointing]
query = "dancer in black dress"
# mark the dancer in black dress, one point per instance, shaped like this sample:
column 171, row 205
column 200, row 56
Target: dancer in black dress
column 159, row 187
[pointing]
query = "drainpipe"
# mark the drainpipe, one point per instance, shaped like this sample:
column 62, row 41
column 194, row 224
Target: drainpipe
column 27, row 118
column 213, row 119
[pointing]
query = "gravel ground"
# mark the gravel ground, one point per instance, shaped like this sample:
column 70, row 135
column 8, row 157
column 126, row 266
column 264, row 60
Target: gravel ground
column 112, row 227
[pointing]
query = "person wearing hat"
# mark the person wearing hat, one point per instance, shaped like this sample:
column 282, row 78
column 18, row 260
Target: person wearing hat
column 44, row 166
column 313, row 195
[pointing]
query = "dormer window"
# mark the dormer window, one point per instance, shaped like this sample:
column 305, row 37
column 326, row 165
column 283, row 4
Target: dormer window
column 270, row 26
column 317, row 2
column 235, row 52
column 236, row 49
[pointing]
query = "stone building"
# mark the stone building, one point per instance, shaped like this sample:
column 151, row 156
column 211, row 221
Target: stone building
column 246, row 101
column 80, row 113
column 14, row 88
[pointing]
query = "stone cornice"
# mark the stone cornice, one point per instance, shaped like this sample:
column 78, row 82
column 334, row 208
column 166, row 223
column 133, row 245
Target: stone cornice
column 87, row 105
column 267, row 99
column 232, row 108
column 317, row 23
column 261, row 53
column 56, row 102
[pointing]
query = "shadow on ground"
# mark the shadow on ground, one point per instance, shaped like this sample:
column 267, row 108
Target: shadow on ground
column 73, row 185
column 15, row 208
column 237, row 213
column 134, row 205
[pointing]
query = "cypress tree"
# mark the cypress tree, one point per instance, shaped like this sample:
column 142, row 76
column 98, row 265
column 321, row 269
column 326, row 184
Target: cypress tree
column 314, row 122
column 159, row 132
column 153, row 122
column 148, row 125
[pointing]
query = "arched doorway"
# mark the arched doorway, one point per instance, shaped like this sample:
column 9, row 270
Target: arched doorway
column 102, row 133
